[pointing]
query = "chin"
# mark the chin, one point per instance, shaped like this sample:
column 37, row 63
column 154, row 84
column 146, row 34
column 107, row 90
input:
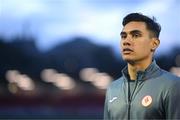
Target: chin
column 129, row 60
column 126, row 58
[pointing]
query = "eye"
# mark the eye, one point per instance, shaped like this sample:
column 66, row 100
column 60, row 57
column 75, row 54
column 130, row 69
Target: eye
column 123, row 36
column 136, row 35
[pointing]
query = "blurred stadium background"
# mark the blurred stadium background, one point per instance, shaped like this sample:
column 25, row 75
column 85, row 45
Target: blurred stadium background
column 57, row 57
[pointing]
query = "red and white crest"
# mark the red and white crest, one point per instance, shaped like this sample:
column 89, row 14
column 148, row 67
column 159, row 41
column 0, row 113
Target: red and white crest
column 146, row 101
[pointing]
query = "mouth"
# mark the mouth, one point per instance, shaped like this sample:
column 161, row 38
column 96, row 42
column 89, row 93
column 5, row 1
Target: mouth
column 127, row 50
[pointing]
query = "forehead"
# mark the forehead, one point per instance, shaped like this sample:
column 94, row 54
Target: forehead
column 141, row 26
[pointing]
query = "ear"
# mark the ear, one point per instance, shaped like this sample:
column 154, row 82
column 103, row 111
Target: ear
column 154, row 44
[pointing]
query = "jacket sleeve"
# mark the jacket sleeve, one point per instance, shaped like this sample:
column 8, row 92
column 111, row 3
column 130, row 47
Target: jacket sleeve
column 106, row 111
column 172, row 102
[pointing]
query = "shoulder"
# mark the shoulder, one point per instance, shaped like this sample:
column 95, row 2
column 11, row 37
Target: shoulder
column 170, row 80
column 170, row 77
column 116, row 83
column 115, row 88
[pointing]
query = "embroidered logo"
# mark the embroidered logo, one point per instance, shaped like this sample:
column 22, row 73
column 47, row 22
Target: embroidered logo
column 114, row 98
column 146, row 101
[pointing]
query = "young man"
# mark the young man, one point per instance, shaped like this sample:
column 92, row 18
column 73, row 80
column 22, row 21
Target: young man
column 144, row 91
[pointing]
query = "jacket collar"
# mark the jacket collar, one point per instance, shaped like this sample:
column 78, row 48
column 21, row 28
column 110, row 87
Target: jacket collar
column 152, row 71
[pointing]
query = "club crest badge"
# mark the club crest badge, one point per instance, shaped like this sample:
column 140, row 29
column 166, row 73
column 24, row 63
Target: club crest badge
column 146, row 101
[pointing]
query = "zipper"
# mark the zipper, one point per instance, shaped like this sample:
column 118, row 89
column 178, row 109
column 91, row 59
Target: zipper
column 129, row 108
column 130, row 98
column 129, row 101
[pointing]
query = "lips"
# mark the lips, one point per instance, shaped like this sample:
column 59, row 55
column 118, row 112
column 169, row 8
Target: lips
column 127, row 50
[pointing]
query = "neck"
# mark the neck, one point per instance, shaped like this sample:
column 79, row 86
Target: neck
column 134, row 67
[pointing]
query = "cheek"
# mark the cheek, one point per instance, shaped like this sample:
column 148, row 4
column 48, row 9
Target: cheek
column 144, row 48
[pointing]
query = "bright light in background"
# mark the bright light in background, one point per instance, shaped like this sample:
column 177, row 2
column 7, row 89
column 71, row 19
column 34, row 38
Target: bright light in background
column 60, row 80
column 175, row 70
column 56, row 21
column 86, row 74
column 47, row 75
column 11, row 75
column 23, row 81
column 64, row 82
column 99, row 80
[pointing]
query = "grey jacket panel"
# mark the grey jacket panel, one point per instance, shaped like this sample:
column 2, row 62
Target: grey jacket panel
column 156, row 96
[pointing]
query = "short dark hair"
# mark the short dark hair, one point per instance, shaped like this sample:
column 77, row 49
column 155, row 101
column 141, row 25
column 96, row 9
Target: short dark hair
column 151, row 24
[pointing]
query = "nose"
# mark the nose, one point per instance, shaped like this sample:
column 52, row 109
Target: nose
column 126, row 41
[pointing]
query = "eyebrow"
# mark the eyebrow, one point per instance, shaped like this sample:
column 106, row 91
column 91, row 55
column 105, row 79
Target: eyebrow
column 131, row 32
